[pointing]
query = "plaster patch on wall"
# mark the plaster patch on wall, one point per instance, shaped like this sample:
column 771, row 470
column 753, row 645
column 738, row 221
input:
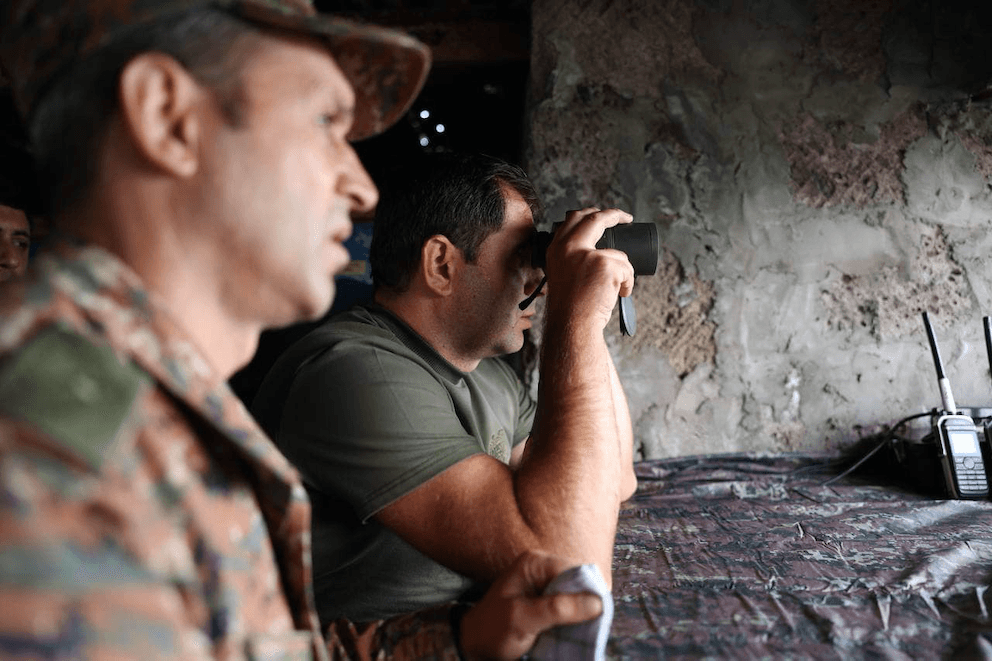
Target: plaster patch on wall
column 972, row 124
column 848, row 37
column 830, row 167
column 982, row 149
column 785, row 433
column 888, row 305
column 788, row 436
column 576, row 147
column 780, row 420
column 672, row 315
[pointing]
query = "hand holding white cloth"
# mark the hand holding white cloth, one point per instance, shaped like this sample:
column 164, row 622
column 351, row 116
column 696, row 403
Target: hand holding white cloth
column 586, row 640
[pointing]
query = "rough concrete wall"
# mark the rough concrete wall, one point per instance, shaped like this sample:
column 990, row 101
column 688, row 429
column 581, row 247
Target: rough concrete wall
column 820, row 172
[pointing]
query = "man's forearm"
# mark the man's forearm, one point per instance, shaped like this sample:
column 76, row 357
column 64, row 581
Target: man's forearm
column 569, row 484
column 625, row 435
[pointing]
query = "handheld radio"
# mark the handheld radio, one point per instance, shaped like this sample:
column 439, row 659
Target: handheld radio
column 958, row 446
column 987, row 419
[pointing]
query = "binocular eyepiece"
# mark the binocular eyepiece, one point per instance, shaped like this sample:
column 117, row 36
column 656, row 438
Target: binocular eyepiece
column 638, row 240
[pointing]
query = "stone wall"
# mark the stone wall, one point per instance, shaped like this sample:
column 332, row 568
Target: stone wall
column 819, row 172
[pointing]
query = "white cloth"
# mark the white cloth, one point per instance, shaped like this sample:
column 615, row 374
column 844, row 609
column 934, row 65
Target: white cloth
column 586, row 640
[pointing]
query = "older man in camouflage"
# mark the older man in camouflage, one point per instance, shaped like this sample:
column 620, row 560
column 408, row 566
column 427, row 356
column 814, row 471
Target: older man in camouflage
column 200, row 179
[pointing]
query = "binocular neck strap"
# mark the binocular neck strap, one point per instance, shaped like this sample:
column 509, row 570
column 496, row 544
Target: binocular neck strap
column 628, row 314
column 524, row 304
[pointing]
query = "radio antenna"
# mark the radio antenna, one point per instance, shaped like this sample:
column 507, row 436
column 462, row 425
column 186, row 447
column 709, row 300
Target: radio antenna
column 946, row 398
column 987, row 322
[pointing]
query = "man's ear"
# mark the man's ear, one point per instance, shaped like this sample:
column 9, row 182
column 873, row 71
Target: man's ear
column 439, row 263
column 160, row 105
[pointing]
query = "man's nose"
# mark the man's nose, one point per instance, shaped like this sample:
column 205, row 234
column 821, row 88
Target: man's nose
column 10, row 258
column 357, row 185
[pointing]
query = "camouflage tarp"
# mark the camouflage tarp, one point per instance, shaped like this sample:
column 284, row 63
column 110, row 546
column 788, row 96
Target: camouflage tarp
column 752, row 557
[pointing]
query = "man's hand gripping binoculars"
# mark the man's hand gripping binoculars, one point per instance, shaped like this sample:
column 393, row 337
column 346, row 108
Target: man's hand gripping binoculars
column 639, row 241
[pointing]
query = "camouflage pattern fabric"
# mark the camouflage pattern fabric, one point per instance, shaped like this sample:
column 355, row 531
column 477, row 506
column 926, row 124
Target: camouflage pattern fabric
column 143, row 514
column 751, row 557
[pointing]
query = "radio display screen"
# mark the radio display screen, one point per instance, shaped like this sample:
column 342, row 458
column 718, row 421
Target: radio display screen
column 963, row 442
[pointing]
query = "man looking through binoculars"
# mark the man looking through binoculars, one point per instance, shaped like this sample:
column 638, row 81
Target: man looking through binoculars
column 429, row 465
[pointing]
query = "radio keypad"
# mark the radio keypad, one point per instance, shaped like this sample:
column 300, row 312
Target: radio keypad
column 971, row 474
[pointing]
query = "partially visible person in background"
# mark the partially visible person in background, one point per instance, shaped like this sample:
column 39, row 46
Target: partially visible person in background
column 19, row 200
column 15, row 232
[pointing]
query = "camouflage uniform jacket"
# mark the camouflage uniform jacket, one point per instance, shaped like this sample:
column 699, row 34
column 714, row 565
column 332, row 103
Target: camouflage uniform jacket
column 143, row 514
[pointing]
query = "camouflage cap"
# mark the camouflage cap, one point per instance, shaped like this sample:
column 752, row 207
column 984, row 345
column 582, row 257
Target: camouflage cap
column 39, row 39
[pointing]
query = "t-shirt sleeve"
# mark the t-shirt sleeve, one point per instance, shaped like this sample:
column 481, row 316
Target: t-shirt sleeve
column 368, row 426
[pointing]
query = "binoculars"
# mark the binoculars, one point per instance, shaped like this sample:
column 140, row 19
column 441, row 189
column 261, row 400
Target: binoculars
column 638, row 240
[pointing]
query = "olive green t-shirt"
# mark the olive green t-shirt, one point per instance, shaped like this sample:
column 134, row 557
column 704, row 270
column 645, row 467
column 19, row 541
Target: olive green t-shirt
column 368, row 411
